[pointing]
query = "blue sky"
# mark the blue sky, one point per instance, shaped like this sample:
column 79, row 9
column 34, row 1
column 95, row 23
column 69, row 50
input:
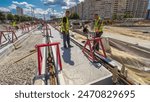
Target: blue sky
column 41, row 7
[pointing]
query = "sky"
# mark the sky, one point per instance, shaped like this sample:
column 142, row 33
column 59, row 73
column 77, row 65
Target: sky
column 47, row 7
column 40, row 7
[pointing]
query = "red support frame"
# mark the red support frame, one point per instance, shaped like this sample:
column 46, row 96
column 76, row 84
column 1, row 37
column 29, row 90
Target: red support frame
column 47, row 30
column 89, row 43
column 13, row 35
column 25, row 28
column 2, row 35
column 40, row 58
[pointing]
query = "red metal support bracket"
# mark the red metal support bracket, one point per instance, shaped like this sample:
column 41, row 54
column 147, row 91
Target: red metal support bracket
column 40, row 58
column 47, row 30
column 2, row 35
column 90, row 43
column 12, row 34
column 25, row 28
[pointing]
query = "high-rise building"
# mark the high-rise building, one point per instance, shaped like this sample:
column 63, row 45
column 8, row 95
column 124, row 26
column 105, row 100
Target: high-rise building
column 138, row 8
column 86, row 9
column 108, row 8
column 19, row 11
column 148, row 14
column 103, row 8
column 119, row 6
column 100, row 7
column 80, row 9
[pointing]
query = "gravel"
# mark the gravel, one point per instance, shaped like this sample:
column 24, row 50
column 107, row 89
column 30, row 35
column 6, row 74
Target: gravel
column 22, row 72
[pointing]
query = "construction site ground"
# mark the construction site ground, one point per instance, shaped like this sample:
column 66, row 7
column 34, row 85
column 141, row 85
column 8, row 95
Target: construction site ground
column 19, row 67
column 77, row 69
column 140, row 34
column 137, row 65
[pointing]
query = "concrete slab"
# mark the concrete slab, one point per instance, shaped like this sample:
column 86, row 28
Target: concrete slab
column 77, row 69
column 132, row 40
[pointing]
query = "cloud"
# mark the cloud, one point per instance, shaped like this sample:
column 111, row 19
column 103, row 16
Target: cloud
column 81, row 0
column 39, row 12
column 4, row 9
column 12, row 6
column 27, row 5
column 65, row 4
column 65, row 7
column 54, row 2
column 61, row 2
column 70, row 3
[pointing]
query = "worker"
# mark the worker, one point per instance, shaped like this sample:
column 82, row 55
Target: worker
column 14, row 23
column 65, row 30
column 98, row 29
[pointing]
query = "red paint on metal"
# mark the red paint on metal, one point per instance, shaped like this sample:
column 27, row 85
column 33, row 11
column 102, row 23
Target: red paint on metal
column 40, row 58
column 89, row 43
column 2, row 33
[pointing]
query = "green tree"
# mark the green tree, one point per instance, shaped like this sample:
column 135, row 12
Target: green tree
column 2, row 16
column 10, row 17
column 23, row 18
column 17, row 18
column 74, row 16
column 29, row 18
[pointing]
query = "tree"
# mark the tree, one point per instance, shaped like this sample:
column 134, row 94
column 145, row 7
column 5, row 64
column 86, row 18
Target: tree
column 74, row 16
column 2, row 16
column 29, row 18
column 23, row 18
column 17, row 18
column 10, row 17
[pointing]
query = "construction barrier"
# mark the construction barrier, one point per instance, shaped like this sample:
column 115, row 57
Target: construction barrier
column 46, row 30
column 25, row 28
column 9, row 28
column 13, row 36
column 40, row 57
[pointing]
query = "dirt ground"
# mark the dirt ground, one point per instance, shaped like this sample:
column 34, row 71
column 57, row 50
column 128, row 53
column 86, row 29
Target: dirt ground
column 20, row 66
column 129, row 32
column 137, row 67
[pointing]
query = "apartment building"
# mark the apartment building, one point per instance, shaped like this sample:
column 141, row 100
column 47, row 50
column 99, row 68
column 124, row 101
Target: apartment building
column 19, row 11
column 73, row 9
column 138, row 8
column 148, row 14
column 107, row 8
column 86, row 9
column 119, row 7
column 80, row 9
column 101, row 7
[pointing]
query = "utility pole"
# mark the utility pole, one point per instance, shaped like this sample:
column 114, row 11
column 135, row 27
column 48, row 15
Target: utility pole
column 32, row 13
